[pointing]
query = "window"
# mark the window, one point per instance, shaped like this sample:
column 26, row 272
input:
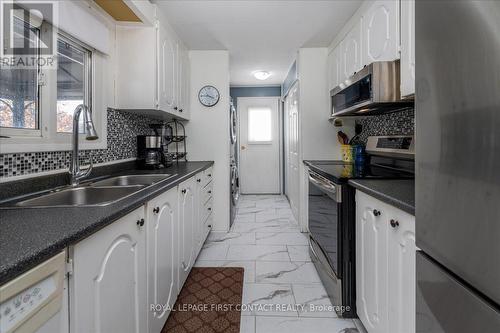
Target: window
column 73, row 82
column 259, row 124
column 27, row 105
column 19, row 89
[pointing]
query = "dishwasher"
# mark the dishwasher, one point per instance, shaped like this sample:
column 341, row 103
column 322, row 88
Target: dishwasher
column 36, row 301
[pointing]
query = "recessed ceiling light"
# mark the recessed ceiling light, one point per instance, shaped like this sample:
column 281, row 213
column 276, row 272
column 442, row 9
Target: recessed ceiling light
column 261, row 75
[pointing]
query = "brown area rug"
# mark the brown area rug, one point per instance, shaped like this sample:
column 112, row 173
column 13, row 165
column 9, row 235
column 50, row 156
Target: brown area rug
column 209, row 302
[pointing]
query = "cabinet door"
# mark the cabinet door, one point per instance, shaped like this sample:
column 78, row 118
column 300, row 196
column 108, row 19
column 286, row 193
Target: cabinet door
column 187, row 211
column 407, row 47
column 381, row 32
column 351, row 51
column 166, row 70
column 108, row 285
column 198, row 217
column 371, row 264
column 162, row 242
column 402, row 284
column 183, row 83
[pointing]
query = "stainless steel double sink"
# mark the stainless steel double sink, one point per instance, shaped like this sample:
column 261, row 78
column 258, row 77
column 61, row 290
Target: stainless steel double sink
column 95, row 193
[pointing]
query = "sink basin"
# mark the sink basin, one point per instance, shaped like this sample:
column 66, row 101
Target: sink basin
column 128, row 180
column 82, row 196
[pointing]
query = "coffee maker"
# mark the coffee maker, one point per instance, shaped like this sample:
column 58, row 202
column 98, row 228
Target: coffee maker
column 150, row 151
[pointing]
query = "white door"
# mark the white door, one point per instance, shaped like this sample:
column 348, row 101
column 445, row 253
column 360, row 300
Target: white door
column 381, row 32
column 371, row 264
column 187, row 214
column 402, row 261
column 163, row 264
column 407, row 47
column 292, row 150
column 259, row 145
column 108, row 285
column 167, row 64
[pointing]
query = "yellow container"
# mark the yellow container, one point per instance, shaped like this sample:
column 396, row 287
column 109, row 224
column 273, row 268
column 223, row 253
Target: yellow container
column 347, row 155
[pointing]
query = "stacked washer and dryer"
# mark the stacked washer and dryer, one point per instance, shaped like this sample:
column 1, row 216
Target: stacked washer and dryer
column 234, row 181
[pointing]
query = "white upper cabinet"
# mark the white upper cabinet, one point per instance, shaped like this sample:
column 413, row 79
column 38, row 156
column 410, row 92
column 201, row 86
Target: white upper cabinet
column 108, row 284
column 167, row 66
column 152, row 74
column 351, row 51
column 381, row 32
column 407, row 48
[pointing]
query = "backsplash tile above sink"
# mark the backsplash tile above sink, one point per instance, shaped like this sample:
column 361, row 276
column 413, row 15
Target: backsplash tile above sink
column 122, row 129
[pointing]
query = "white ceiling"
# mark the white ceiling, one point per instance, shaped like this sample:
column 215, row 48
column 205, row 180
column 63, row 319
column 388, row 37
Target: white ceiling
column 259, row 34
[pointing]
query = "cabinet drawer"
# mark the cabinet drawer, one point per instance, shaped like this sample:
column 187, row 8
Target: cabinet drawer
column 207, row 192
column 207, row 210
column 207, row 176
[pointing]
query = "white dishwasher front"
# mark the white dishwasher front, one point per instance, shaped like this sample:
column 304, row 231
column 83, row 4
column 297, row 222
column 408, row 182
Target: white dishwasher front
column 35, row 301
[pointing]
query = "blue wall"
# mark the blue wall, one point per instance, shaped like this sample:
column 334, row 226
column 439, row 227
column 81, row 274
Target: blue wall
column 236, row 92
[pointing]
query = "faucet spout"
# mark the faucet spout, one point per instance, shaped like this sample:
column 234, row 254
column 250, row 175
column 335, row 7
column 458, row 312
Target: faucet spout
column 91, row 134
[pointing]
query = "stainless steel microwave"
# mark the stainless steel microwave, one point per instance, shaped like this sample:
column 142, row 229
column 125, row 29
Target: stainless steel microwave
column 373, row 90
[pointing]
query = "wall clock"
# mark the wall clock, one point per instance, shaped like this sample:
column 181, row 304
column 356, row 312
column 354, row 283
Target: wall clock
column 208, row 96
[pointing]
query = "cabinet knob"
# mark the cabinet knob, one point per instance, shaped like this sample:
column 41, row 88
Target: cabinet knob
column 198, row 180
column 180, row 110
column 175, row 108
column 394, row 223
column 140, row 222
column 209, row 192
column 183, row 190
column 156, row 210
column 210, row 208
column 209, row 175
column 209, row 226
column 376, row 212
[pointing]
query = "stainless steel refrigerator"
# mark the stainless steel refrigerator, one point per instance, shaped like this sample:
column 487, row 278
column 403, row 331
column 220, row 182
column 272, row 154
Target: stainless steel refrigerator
column 458, row 166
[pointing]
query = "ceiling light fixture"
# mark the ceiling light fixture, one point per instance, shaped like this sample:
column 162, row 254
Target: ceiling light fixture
column 261, row 75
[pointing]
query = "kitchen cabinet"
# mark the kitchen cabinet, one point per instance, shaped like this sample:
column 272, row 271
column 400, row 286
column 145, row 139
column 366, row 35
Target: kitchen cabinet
column 188, row 213
column 407, row 48
column 385, row 266
column 381, row 32
column 108, row 282
column 162, row 256
column 156, row 79
column 351, row 51
column 141, row 259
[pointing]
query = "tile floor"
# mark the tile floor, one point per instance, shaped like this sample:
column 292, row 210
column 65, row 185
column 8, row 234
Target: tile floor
column 266, row 241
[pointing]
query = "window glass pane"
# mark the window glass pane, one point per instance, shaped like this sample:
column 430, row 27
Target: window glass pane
column 259, row 124
column 71, row 83
column 19, row 88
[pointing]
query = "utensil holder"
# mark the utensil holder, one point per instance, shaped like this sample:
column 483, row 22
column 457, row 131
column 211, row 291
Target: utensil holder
column 347, row 154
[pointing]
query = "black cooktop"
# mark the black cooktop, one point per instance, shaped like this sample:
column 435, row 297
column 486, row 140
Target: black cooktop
column 339, row 171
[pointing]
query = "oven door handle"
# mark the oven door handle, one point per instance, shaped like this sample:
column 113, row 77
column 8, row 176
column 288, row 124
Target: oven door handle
column 325, row 185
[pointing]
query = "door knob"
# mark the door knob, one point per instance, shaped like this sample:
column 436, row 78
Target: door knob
column 243, row 147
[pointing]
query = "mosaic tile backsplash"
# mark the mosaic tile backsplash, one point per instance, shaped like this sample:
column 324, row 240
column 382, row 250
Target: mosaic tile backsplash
column 397, row 123
column 123, row 128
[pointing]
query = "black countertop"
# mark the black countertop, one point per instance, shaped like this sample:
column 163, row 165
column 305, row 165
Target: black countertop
column 399, row 193
column 29, row 236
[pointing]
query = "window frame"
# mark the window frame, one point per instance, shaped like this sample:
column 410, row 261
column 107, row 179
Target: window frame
column 46, row 138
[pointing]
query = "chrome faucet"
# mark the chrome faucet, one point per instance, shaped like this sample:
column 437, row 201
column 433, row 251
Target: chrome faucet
column 88, row 124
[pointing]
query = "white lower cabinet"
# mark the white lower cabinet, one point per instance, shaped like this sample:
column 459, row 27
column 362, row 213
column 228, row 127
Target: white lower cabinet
column 385, row 266
column 140, row 260
column 162, row 257
column 187, row 232
column 108, row 283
